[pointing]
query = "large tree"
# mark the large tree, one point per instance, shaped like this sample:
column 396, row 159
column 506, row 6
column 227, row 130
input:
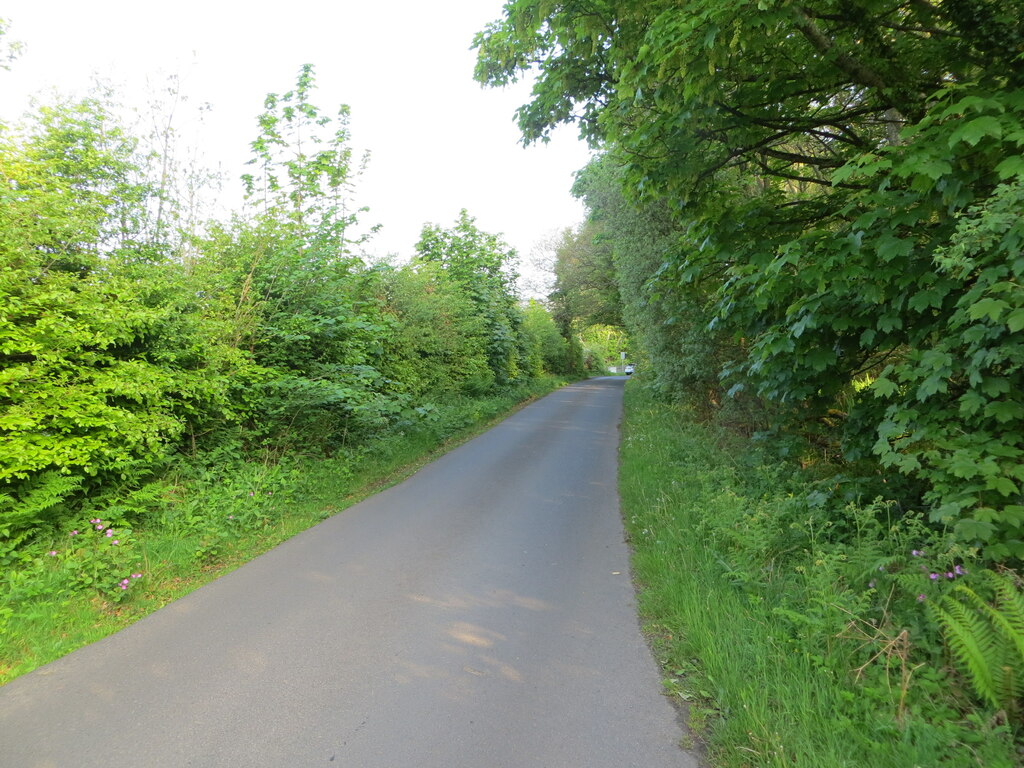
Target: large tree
column 839, row 169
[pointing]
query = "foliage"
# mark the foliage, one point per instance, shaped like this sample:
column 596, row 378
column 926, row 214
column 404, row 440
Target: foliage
column 439, row 346
column 798, row 629
column 835, row 181
column 585, row 291
column 9, row 50
column 545, row 349
column 988, row 640
column 202, row 518
column 79, row 393
column 132, row 339
column 481, row 265
column 603, row 346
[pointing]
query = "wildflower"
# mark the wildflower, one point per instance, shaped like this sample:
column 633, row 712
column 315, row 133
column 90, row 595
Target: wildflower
column 110, row 532
column 921, row 598
column 933, row 576
column 250, row 493
column 881, row 568
column 97, row 520
column 74, row 533
column 115, row 541
column 958, row 570
column 916, row 552
column 136, row 575
column 99, row 526
column 949, row 575
column 52, row 552
column 231, row 517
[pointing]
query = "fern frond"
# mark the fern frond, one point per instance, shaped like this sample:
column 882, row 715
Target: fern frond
column 42, row 494
column 970, row 640
column 1010, row 613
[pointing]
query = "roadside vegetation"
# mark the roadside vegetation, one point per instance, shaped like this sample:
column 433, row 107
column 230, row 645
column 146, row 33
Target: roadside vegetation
column 178, row 392
column 200, row 519
column 797, row 637
column 806, row 218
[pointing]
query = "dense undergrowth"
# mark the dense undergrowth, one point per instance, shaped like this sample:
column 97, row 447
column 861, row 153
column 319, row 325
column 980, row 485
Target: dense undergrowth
column 132, row 553
column 802, row 632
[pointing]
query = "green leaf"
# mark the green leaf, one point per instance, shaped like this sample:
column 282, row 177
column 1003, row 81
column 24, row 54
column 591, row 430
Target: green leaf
column 1003, row 485
column 1004, row 411
column 975, row 130
column 964, row 464
column 988, row 307
column 933, row 168
column 968, row 529
column 884, row 387
column 1015, row 320
column 1011, row 166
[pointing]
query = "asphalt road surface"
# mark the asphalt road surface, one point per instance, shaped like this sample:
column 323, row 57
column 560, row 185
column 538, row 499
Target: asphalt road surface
column 479, row 615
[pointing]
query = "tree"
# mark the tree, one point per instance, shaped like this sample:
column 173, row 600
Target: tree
column 300, row 301
column 585, row 291
column 482, row 265
column 96, row 362
column 439, row 347
column 547, row 350
column 814, row 159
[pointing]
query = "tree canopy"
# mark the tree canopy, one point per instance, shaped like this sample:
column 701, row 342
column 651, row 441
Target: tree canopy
column 839, row 177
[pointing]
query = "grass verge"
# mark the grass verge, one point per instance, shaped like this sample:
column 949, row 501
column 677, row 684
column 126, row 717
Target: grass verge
column 797, row 638
column 202, row 519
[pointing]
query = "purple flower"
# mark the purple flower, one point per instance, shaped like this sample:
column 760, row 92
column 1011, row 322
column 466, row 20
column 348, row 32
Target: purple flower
column 52, row 552
column 136, row 575
column 110, row 532
column 881, row 568
column 74, row 533
column 949, row 575
column 916, row 552
column 97, row 520
column 958, row 570
column 871, row 584
column 933, row 576
column 99, row 526
column 921, row 598
column 115, row 541
column 250, row 493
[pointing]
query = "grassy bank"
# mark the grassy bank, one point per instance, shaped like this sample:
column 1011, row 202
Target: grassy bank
column 797, row 636
column 206, row 516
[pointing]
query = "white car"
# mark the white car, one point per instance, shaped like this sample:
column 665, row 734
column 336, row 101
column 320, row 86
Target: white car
column 629, row 370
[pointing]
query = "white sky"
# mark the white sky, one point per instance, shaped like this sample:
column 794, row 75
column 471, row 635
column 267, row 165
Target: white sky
column 439, row 141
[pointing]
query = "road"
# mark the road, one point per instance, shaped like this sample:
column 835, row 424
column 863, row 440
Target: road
column 480, row 614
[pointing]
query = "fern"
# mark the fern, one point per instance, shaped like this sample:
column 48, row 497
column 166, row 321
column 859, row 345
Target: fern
column 969, row 639
column 35, row 504
column 987, row 639
column 1010, row 614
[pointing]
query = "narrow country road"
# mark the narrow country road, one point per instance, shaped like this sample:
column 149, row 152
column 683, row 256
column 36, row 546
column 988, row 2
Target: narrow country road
column 479, row 615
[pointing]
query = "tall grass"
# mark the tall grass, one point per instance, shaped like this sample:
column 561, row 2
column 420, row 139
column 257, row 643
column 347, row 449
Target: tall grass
column 203, row 518
column 797, row 634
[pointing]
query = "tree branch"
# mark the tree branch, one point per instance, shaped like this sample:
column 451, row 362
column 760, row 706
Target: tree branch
column 861, row 73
